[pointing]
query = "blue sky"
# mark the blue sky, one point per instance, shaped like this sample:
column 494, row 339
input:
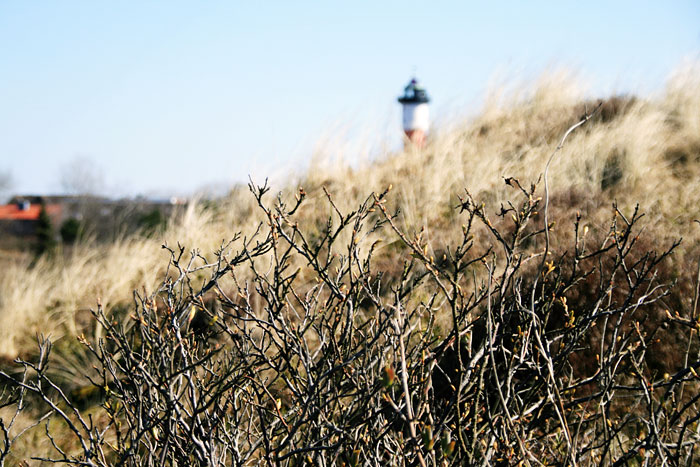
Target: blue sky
column 167, row 97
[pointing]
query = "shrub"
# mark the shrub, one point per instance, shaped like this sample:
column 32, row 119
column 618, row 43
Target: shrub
column 45, row 235
column 71, row 230
column 360, row 340
column 290, row 353
column 151, row 222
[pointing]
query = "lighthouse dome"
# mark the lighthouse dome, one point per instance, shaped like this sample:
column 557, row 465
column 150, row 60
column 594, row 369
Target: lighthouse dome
column 414, row 93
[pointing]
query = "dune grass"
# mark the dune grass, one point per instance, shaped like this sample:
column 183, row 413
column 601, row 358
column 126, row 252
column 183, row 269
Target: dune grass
column 642, row 150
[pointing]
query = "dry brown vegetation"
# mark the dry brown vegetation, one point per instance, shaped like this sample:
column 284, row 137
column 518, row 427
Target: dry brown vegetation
column 642, row 150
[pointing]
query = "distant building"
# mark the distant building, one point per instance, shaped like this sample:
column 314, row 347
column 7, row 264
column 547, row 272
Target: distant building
column 18, row 218
column 103, row 218
column 26, row 210
column 416, row 114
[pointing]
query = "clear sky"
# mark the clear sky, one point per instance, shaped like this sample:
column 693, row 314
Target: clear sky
column 172, row 96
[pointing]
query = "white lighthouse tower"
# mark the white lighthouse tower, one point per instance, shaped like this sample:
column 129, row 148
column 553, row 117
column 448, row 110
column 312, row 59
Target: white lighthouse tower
column 416, row 114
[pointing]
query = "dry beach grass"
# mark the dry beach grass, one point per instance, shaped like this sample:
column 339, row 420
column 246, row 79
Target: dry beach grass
column 644, row 150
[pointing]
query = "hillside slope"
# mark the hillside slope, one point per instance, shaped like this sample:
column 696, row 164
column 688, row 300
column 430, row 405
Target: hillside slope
column 643, row 149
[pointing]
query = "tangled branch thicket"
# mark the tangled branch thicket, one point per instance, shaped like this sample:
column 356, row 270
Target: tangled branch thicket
column 358, row 338
column 295, row 348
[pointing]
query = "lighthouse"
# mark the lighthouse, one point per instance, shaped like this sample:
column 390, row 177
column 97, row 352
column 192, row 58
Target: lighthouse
column 416, row 115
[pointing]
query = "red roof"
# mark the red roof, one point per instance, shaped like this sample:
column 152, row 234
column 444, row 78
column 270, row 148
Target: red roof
column 13, row 212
